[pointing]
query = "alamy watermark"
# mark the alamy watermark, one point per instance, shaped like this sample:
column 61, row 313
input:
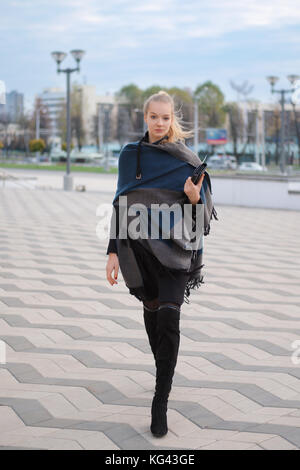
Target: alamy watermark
column 2, row 352
column 183, row 223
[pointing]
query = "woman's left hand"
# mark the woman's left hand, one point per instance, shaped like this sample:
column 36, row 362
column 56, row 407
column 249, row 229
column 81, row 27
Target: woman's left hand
column 193, row 190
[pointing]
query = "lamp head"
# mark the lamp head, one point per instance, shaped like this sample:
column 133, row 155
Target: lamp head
column 272, row 80
column 293, row 78
column 58, row 56
column 77, row 54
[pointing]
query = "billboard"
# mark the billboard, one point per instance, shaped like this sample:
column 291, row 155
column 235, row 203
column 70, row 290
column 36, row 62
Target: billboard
column 216, row 136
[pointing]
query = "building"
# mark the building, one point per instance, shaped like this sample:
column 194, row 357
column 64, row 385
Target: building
column 257, row 131
column 91, row 107
column 88, row 106
column 13, row 109
column 99, row 115
column 98, row 123
column 54, row 100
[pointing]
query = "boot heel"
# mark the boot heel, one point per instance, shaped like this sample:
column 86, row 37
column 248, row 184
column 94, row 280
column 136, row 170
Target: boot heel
column 159, row 425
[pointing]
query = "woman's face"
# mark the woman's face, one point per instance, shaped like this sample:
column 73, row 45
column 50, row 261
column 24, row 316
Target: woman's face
column 159, row 119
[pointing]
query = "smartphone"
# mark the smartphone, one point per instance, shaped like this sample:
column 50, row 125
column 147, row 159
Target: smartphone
column 199, row 171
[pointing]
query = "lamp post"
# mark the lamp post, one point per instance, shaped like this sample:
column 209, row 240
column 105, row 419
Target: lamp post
column 100, row 128
column 59, row 57
column 104, row 130
column 293, row 79
column 37, row 126
column 273, row 80
column 137, row 111
column 196, row 125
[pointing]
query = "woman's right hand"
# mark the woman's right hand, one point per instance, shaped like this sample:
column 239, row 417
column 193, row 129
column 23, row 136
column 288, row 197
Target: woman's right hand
column 112, row 265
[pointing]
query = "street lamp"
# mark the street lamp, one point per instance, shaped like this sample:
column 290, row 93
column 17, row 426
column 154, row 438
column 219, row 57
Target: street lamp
column 59, row 57
column 137, row 110
column 37, row 125
column 293, row 79
column 105, row 123
column 39, row 109
column 196, row 125
column 273, row 80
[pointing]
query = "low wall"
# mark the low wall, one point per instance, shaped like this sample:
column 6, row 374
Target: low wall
column 266, row 191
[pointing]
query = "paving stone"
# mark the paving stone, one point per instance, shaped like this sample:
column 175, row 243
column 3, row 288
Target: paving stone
column 66, row 330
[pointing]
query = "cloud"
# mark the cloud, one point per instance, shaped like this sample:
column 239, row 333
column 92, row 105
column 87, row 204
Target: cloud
column 154, row 39
column 189, row 19
column 155, row 22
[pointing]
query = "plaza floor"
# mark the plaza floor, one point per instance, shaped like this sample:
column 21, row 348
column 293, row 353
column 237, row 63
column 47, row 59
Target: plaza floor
column 78, row 372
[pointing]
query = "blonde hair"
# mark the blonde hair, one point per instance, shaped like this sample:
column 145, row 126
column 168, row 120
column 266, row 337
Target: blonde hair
column 176, row 131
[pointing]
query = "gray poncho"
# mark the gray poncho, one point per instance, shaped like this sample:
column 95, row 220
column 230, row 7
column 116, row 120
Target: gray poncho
column 151, row 178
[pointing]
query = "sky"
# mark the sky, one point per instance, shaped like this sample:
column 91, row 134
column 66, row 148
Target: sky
column 165, row 42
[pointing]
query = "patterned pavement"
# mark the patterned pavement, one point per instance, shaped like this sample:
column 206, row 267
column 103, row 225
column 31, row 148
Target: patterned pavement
column 79, row 372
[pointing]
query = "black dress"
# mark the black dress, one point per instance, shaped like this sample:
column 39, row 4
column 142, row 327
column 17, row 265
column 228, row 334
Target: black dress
column 159, row 283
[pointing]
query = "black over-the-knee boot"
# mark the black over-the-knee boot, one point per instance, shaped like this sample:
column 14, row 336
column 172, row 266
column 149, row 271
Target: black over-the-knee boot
column 167, row 346
column 150, row 320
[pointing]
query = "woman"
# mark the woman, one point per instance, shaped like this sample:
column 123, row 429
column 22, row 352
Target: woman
column 158, row 272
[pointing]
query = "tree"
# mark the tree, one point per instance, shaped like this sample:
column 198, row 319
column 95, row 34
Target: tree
column 183, row 100
column 131, row 101
column 235, row 123
column 125, row 127
column 37, row 145
column 184, row 106
column 5, row 121
column 211, row 105
column 296, row 124
column 44, row 118
column 133, row 95
column 25, row 125
column 64, row 146
column 252, row 109
column 77, row 129
column 150, row 91
column 273, row 125
column 76, row 115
